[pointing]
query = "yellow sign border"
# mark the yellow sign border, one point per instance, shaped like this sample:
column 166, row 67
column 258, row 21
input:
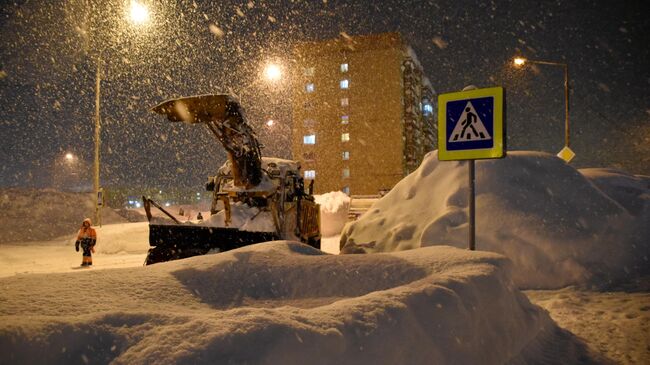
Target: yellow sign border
column 497, row 151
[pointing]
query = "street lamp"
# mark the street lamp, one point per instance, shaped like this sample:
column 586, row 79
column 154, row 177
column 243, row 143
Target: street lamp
column 566, row 154
column 273, row 72
column 139, row 15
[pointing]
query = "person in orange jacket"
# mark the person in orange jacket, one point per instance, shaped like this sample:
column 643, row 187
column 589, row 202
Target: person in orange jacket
column 86, row 238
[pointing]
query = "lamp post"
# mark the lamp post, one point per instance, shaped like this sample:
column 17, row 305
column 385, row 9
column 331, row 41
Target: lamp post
column 138, row 15
column 567, row 154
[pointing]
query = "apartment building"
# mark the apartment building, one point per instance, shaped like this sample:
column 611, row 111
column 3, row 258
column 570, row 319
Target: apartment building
column 363, row 112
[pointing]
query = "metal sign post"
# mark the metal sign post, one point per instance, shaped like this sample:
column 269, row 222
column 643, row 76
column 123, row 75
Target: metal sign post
column 472, row 208
column 470, row 127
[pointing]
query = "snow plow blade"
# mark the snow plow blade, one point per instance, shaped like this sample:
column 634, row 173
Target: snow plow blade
column 171, row 242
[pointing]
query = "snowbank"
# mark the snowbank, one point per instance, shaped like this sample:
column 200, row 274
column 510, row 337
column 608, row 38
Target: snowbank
column 282, row 303
column 559, row 226
column 333, row 212
column 44, row 214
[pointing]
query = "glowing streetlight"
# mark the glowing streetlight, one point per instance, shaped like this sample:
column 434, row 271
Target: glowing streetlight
column 69, row 156
column 566, row 152
column 138, row 13
column 273, row 72
column 519, row 61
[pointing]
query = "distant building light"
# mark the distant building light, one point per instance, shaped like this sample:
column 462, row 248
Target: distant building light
column 198, row 194
column 346, row 155
column 346, row 189
column 167, row 204
column 345, row 84
column 137, row 204
column 270, row 122
column 345, row 119
column 428, row 109
column 131, row 202
column 345, row 102
column 309, row 139
column 344, row 67
column 310, row 174
column 346, row 173
column 309, row 88
column 309, row 71
column 345, row 137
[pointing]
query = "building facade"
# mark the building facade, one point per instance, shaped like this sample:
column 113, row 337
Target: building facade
column 363, row 112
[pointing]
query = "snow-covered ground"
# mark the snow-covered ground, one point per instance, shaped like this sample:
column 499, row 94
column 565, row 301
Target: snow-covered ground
column 282, row 302
column 615, row 324
column 119, row 245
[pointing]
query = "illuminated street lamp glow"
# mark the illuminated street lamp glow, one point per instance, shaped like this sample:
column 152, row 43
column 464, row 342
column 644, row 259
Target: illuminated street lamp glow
column 519, row 62
column 270, row 122
column 273, row 72
column 139, row 13
column 69, row 156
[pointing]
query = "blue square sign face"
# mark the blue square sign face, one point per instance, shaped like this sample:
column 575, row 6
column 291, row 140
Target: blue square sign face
column 470, row 124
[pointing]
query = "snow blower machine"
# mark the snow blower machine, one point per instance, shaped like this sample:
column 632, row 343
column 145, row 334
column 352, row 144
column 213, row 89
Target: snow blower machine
column 254, row 198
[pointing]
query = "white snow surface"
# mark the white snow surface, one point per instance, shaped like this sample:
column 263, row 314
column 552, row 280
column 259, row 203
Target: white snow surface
column 286, row 303
column 333, row 212
column 243, row 217
column 558, row 225
column 283, row 302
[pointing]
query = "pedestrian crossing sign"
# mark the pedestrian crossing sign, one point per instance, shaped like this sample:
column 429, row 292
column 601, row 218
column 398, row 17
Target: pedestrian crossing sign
column 470, row 124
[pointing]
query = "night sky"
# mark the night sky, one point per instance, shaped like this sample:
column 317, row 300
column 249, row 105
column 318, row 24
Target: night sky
column 49, row 54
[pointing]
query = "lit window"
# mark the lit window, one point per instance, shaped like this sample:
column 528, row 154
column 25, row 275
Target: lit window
column 345, row 137
column 310, row 174
column 345, row 84
column 428, row 108
column 309, row 71
column 309, row 88
column 346, row 155
column 345, row 119
column 346, row 189
column 345, row 102
column 344, row 67
column 309, row 139
column 346, row 173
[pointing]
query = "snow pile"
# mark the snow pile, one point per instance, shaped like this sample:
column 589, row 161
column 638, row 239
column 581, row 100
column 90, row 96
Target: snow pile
column 333, row 212
column 244, row 217
column 44, row 214
column 121, row 238
column 283, row 303
column 557, row 226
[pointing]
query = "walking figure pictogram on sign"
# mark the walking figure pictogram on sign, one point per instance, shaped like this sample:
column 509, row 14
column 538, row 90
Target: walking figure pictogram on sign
column 469, row 127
